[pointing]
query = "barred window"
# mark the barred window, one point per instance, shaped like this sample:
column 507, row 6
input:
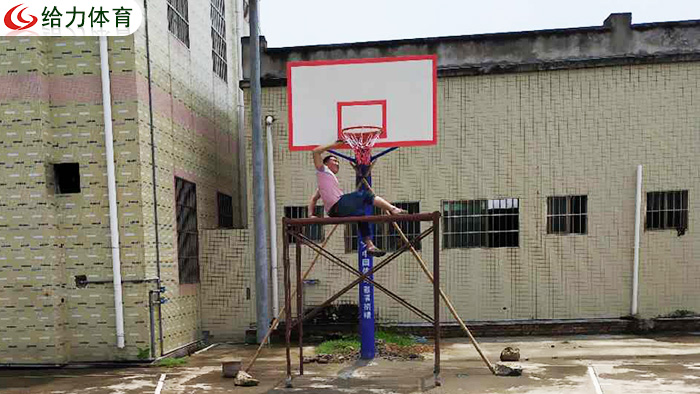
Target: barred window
column 481, row 223
column 218, row 38
column 187, row 235
column 225, row 208
column 667, row 210
column 312, row 231
column 385, row 235
column 567, row 215
column 178, row 20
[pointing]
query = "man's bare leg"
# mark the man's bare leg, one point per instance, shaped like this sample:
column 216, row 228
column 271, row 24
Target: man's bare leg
column 385, row 205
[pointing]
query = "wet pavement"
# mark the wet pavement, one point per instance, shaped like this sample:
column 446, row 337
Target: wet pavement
column 621, row 364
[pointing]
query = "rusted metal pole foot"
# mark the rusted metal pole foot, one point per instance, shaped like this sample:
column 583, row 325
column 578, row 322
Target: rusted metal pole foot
column 438, row 381
column 288, row 382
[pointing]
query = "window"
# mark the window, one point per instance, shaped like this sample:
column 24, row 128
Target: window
column 225, row 205
column 385, row 236
column 667, row 210
column 480, row 223
column 218, row 38
column 567, row 215
column 187, row 237
column 178, row 20
column 67, row 177
column 313, row 231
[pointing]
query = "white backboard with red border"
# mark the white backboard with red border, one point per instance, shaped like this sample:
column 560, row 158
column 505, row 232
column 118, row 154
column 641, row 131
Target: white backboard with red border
column 398, row 94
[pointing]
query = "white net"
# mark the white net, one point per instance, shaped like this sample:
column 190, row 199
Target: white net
column 361, row 140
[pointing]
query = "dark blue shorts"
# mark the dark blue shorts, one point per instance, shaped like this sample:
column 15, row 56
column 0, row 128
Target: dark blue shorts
column 352, row 204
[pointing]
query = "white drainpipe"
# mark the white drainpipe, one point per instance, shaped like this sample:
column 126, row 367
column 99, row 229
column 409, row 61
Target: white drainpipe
column 637, row 230
column 112, row 192
column 272, row 216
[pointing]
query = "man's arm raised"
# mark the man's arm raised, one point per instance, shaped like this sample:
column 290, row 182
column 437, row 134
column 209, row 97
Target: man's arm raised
column 318, row 151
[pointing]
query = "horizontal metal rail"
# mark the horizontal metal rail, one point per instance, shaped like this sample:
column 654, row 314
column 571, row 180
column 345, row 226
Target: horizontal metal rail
column 413, row 217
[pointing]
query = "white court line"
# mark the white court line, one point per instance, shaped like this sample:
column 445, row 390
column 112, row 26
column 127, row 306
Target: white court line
column 206, row 348
column 594, row 378
column 160, row 384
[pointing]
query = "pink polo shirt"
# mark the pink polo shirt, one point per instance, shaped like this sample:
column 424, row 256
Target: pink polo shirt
column 328, row 187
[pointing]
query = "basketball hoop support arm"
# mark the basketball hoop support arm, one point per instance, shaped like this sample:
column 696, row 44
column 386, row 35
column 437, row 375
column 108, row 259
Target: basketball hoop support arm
column 375, row 157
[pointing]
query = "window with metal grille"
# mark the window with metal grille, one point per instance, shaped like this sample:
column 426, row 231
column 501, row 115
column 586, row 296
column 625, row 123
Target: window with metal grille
column 178, row 20
column 667, row 210
column 385, row 235
column 225, row 205
column 567, row 215
column 313, row 231
column 187, row 237
column 481, row 223
column 218, row 38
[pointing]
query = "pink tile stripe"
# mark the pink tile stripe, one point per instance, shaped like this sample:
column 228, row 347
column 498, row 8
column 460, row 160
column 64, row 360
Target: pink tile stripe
column 125, row 87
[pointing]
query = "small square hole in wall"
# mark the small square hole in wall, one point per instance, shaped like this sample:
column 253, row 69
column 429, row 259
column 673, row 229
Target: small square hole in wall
column 67, row 176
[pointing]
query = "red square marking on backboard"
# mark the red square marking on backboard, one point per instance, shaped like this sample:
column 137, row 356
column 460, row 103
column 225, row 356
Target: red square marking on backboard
column 342, row 104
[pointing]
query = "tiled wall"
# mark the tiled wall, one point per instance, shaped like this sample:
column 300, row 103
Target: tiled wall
column 530, row 136
column 51, row 112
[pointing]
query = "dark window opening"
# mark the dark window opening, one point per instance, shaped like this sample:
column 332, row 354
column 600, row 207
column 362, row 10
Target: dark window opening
column 187, row 234
column 481, row 223
column 313, row 231
column 667, row 210
column 218, row 38
column 178, row 20
column 385, row 235
column 567, row 215
column 67, row 177
column 225, row 205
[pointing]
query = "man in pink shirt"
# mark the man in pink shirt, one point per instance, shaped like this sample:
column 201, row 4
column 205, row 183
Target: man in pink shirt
column 337, row 204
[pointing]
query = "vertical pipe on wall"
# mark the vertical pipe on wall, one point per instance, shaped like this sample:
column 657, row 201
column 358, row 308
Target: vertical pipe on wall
column 153, row 173
column 272, row 216
column 112, row 192
column 637, row 230
column 262, row 272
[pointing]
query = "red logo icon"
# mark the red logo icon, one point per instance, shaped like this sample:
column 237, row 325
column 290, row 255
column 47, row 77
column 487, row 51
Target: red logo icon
column 9, row 23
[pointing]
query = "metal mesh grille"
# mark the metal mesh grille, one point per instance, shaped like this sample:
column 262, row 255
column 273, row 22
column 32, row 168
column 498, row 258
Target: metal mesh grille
column 178, row 20
column 567, row 215
column 187, row 236
column 667, row 210
column 218, row 38
column 385, row 236
column 313, row 231
column 481, row 223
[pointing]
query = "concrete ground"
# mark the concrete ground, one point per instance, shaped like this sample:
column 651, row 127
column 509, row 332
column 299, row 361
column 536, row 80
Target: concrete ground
column 621, row 364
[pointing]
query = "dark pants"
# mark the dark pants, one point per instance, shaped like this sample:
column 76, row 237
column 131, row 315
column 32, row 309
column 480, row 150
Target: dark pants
column 353, row 204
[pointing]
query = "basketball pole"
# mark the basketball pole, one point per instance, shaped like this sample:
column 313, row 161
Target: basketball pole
column 366, row 263
column 262, row 273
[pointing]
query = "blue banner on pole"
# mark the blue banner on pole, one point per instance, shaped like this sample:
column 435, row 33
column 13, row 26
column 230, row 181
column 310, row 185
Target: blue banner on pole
column 366, row 302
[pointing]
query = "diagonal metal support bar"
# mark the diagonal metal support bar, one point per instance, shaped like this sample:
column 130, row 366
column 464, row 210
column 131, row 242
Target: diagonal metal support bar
column 363, row 277
column 349, row 268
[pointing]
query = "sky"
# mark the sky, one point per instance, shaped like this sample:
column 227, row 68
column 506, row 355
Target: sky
column 308, row 22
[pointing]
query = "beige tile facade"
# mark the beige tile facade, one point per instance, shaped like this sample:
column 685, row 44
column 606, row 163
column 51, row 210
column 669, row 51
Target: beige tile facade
column 529, row 136
column 51, row 112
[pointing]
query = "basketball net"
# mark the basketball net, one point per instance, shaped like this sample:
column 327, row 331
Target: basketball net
column 361, row 140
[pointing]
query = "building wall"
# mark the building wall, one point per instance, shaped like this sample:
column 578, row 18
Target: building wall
column 532, row 135
column 51, row 100
column 194, row 118
column 53, row 114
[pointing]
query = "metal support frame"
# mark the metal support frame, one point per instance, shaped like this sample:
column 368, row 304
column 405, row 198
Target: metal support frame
column 293, row 228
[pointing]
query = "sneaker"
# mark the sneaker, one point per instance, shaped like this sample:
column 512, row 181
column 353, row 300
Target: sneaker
column 376, row 252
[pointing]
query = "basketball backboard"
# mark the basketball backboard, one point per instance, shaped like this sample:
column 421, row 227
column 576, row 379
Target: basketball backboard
column 398, row 94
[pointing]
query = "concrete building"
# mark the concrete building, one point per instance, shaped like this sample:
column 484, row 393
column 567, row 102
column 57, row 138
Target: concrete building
column 545, row 128
column 175, row 83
